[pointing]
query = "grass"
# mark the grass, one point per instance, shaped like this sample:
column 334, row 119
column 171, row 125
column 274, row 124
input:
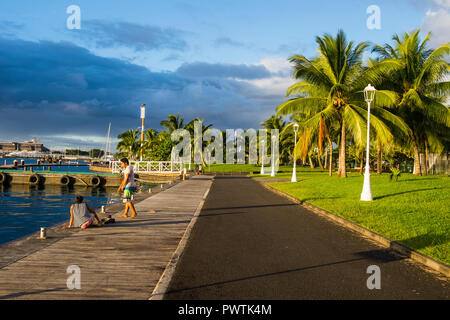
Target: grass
column 247, row 168
column 413, row 211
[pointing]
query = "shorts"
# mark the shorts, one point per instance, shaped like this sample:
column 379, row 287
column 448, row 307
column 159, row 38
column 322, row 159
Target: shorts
column 87, row 223
column 128, row 194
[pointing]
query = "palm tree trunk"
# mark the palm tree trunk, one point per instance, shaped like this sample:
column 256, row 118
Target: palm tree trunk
column 330, row 173
column 362, row 163
column 417, row 170
column 320, row 161
column 311, row 164
column 425, row 162
column 325, row 159
column 379, row 158
column 342, row 171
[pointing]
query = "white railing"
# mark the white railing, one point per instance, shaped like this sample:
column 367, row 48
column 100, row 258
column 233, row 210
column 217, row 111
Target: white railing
column 149, row 166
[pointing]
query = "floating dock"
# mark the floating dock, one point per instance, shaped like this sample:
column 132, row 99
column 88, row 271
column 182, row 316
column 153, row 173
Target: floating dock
column 63, row 178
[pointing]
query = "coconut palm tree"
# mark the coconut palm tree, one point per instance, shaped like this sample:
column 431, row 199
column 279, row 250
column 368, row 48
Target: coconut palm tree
column 149, row 140
column 191, row 128
column 331, row 89
column 173, row 123
column 273, row 122
column 129, row 143
column 418, row 76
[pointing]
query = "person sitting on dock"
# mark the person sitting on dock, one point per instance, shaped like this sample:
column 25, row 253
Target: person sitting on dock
column 82, row 215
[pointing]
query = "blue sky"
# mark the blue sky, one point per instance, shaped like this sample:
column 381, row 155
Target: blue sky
column 221, row 60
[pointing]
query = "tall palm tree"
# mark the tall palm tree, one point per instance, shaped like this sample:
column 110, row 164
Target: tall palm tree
column 190, row 127
column 129, row 143
column 418, row 76
column 173, row 123
column 149, row 140
column 331, row 88
column 273, row 122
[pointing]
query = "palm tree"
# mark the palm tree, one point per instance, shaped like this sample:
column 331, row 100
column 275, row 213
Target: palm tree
column 149, row 140
column 129, row 143
column 191, row 128
column 173, row 123
column 330, row 89
column 273, row 122
column 418, row 76
column 286, row 135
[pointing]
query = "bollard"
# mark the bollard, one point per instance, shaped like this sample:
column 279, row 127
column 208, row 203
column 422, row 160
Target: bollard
column 43, row 234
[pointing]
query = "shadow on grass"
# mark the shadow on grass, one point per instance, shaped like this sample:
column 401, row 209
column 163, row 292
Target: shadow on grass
column 405, row 192
column 425, row 240
column 320, row 198
column 430, row 178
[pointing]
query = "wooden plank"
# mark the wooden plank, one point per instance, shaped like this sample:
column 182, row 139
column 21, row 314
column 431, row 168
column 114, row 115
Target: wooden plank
column 119, row 261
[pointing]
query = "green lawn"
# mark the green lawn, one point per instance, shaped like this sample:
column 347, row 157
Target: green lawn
column 414, row 211
column 247, row 168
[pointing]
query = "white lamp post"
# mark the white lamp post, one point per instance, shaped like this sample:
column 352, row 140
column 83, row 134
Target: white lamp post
column 294, row 170
column 262, row 159
column 272, row 174
column 262, row 166
column 366, row 194
column 142, row 130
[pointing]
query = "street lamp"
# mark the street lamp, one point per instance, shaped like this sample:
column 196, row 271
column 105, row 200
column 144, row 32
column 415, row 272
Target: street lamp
column 294, row 170
column 366, row 194
column 272, row 174
column 262, row 158
column 142, row 131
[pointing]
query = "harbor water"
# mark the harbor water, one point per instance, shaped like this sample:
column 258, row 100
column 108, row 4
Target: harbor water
column 25, row 209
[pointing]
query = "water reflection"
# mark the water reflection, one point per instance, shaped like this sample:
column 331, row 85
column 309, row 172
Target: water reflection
column 24, row 208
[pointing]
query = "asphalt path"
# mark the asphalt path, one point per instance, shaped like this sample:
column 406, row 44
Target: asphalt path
column 249, row 243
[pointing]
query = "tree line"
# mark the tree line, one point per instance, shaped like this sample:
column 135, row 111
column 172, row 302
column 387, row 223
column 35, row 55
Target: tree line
column 409, row 115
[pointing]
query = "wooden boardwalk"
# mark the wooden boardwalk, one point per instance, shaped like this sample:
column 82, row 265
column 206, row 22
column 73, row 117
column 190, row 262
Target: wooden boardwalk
column 118, row 261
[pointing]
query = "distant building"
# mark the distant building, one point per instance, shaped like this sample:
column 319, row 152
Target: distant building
column 32, row 145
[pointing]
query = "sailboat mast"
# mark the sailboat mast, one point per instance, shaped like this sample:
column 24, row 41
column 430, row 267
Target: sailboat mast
column 107, row 142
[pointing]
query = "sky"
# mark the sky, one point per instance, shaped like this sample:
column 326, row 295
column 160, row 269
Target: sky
column 224, row 61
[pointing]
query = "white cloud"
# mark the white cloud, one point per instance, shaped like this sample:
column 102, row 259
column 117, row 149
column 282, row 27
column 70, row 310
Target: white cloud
column 443, row 3
column 438, row 22
column 277, row 84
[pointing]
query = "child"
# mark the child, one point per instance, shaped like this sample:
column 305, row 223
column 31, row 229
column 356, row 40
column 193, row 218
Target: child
column 82, row 215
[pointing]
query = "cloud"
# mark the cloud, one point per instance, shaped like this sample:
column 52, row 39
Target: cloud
column 65, row 95
column 226, row 41
column 139, row 37
column 9, row 28
column 220, row 70
column 437, row 22
column 281, row 78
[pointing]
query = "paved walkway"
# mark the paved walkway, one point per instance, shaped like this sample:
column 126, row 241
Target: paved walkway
column 249, row 243
column 118, row 261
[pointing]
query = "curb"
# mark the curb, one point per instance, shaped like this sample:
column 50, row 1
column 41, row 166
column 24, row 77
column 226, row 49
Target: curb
column 163, row 283
column 382, row 240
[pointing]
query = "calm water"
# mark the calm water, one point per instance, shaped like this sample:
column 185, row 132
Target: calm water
column 25, row 209
column 6, row 161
